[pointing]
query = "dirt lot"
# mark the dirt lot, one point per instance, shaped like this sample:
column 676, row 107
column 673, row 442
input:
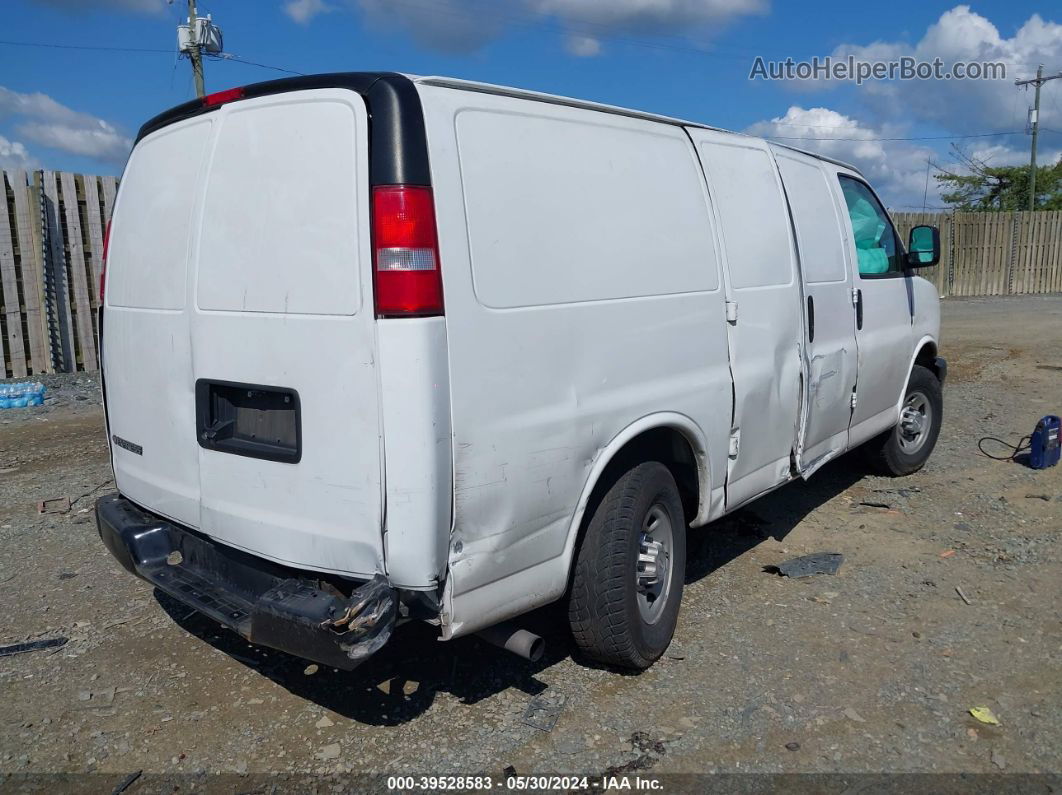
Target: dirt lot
column 874, row 669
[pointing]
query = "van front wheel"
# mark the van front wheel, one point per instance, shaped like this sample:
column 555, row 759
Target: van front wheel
column 906, row 448
column 630, row 569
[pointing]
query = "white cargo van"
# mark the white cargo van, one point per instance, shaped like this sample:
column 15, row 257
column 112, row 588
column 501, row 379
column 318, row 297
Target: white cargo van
column 379, row 348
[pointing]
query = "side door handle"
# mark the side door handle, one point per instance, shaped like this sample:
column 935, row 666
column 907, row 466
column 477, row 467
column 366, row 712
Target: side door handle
column 811, row 319
column 859, row 310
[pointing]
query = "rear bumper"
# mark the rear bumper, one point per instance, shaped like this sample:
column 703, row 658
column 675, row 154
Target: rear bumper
column 265, row 603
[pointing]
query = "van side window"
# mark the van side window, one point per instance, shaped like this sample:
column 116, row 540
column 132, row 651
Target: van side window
column 877, row 247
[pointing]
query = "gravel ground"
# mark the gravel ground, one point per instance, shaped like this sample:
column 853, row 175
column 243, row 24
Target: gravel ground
column 869, row 671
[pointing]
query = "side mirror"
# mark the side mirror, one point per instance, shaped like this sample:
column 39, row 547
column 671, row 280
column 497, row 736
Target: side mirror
column 923, row 247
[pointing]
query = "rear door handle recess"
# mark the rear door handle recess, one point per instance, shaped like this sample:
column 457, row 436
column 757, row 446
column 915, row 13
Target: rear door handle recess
column 811, row 319
column 220, row 429
column 859, row 310
column 249, row 420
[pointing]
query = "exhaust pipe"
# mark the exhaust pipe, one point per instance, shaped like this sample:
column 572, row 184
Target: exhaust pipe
column 510, row 637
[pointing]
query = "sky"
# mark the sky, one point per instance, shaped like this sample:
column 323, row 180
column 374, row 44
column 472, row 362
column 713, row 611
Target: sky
column 66, row 107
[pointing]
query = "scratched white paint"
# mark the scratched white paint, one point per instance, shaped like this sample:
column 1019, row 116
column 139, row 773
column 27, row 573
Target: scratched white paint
column 583, row 293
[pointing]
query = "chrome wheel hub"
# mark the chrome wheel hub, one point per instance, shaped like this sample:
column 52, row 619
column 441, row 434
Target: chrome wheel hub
column 653, row 570
column 916, row 419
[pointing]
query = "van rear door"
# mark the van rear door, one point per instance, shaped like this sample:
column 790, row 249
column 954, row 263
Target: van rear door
column 254, row 387
column 145, row 346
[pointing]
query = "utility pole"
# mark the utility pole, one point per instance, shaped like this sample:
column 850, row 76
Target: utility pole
column 197, row 59
column 1037, row 81
column 198, row 37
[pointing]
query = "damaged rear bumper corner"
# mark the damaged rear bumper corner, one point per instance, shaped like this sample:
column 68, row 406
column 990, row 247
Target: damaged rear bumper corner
column 267, row 604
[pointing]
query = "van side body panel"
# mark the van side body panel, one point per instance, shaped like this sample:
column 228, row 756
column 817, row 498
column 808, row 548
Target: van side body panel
column 547, row 581
column 926, row 327
column 583, row 293
column 415, row 402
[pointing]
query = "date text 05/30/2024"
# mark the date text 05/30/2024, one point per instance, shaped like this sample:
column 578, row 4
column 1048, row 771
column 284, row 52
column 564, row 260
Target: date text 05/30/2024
column 516, row 783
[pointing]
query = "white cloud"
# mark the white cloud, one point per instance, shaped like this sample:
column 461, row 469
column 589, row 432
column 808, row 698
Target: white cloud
column 454, row 26
column 303, row 11
column 896, row 169
column 1000, row 155
column 659, row 16
column 13, row 155
column 962, row 35
column 894, row 109
column 582, row 46
column 44, row 121
column 38, row 106
column 136, row 6
column 466, row 25
column 100, row 142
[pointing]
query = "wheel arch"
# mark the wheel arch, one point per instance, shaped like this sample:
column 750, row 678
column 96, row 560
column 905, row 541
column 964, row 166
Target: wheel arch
column 671, row 438
column 925, row 354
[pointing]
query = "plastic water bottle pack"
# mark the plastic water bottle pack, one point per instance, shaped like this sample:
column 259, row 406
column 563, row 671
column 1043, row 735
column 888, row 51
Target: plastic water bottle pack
column 17, row 396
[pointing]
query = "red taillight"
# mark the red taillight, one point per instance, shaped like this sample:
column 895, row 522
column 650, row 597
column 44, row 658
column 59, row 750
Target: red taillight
column 405, row 251
column 103, row 258
column 221, row 97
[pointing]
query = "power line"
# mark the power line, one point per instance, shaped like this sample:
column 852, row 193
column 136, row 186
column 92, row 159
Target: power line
column 222, row 56
column 228, row 56
column 82, row 47
column 526, row 21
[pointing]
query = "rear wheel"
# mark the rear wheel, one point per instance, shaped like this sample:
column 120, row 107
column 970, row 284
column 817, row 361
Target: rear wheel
column 630, row 569
column 907, row 447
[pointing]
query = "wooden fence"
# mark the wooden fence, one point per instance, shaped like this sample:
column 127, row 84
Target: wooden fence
column 51, row 247
column 51, row 250
column 993, row 253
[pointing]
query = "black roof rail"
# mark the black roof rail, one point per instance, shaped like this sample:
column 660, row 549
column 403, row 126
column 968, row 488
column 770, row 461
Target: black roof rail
column 398, row 148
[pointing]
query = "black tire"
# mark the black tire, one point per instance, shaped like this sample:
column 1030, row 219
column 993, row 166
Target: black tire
column 606, row 619
column 887, row 453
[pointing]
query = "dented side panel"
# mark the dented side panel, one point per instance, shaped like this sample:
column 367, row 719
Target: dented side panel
column 583, row 293
column 766, row 335
column 415, row 404
column 830, row 352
